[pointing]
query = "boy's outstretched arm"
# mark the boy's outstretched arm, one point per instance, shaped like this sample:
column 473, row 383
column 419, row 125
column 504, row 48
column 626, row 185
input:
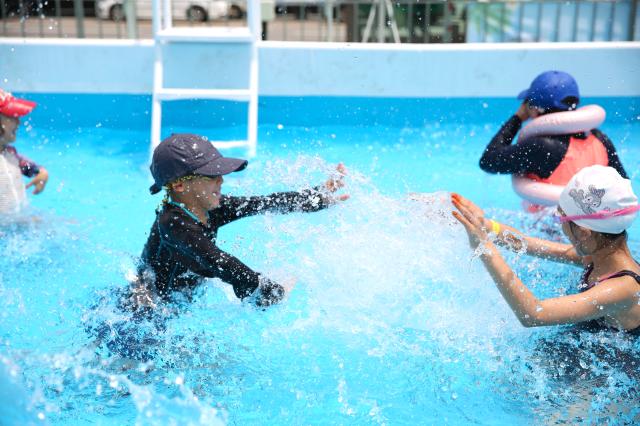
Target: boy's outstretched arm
column 308, row 200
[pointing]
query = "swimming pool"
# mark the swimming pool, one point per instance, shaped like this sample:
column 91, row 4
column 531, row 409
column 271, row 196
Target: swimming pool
column 391, row 321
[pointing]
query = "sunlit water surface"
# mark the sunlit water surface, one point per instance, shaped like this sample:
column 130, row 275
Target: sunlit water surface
column 392, row 321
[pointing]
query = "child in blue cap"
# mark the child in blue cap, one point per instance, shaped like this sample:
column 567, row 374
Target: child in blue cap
column 551, row 156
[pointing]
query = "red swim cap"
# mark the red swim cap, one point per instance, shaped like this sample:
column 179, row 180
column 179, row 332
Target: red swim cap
column 14, row 107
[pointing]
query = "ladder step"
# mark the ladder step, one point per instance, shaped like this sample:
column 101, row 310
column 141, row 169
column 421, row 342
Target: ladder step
column 229, row 144
column 225, row 94
column 194, row 35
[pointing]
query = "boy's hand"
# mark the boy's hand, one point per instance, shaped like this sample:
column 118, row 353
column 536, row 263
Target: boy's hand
column 288, row 284
column 336, row 182
column 39, row 181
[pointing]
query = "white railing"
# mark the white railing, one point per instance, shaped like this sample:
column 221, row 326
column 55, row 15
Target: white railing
column 406, row 21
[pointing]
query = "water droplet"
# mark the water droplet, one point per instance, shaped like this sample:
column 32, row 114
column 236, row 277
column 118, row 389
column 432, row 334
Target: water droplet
column 280, row 126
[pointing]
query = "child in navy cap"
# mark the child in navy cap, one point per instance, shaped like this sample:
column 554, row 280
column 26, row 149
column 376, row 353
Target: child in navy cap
column 181, row 250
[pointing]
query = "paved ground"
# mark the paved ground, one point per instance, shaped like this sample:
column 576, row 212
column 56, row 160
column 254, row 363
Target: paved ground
column 285, row 28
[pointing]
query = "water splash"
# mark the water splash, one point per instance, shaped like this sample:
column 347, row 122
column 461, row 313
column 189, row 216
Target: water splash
column 390, row 316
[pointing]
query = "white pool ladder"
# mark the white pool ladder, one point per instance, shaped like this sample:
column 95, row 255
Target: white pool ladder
column 165, row 33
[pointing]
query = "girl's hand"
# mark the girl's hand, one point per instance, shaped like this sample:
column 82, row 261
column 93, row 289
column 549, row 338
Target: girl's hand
column 39, row 181
column 472, row 218
column 469, row 205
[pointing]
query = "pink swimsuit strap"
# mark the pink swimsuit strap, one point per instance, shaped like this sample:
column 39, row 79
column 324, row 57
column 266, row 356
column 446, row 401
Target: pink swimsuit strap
column 584, row 286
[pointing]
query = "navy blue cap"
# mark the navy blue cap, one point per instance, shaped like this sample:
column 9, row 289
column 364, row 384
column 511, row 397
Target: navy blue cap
column 185, row 154
column 549, row 89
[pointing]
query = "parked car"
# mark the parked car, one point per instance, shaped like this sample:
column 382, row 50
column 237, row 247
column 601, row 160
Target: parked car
column 192, row 10
column 37, row 8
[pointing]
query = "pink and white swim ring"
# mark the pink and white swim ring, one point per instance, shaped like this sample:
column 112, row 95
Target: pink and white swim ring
column 557, row 123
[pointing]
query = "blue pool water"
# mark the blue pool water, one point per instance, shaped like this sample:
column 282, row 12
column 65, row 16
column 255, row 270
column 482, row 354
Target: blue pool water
column 391, row 322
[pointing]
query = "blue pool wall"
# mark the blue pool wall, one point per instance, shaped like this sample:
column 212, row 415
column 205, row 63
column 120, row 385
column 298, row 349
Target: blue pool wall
column 308, row 83
column 293, row 69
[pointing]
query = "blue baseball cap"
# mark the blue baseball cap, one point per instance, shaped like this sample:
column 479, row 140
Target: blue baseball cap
column 549, row 89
